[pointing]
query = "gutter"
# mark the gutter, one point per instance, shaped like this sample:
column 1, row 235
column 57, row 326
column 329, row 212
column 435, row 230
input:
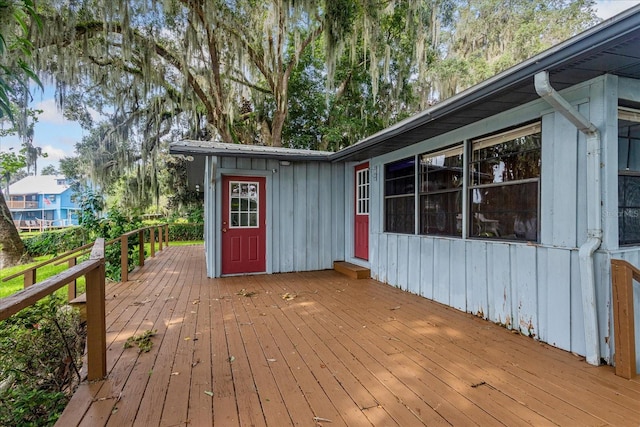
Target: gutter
column 594, row 218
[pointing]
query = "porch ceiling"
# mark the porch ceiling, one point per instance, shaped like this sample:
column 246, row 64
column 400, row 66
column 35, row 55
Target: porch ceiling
column 282, row 349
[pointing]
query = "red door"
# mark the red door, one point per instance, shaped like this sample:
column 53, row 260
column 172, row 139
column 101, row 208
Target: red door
column 361, row 223
column 243, row 224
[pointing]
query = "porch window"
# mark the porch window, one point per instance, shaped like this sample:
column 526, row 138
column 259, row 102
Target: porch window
column 628, row 176
column 504, row 187
column 441, row 178
column 399, row 196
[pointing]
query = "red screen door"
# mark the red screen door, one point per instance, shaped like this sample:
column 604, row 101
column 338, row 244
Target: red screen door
column 361, row 228
column 243, row 225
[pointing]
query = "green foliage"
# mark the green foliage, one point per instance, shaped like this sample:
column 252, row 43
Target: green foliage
column 143, row 341
column 16, row 17
column 186, row 232
column 10, row 163
column 40, row 353
column 56, row 241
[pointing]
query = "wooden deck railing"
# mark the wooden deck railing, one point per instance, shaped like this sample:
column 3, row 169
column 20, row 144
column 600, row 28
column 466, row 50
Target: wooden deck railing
column 622, row 275
column 71, row 257
column 93, row 271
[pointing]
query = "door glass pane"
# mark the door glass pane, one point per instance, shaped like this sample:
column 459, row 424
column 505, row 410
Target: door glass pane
column 243, row 204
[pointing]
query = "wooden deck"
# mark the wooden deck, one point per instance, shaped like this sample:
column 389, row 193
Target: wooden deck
column 304, row 348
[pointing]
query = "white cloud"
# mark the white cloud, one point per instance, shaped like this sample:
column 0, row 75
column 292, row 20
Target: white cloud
column 54, row 153
column 605, row 9
column 50, row 112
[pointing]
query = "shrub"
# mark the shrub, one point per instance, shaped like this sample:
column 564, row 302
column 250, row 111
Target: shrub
column 56, row 241
column 40, row 354
column 186, row 232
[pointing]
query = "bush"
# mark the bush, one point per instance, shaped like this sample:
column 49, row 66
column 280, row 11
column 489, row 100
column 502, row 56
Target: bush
column 186, row 232
column 56, row 241
column 40, row 354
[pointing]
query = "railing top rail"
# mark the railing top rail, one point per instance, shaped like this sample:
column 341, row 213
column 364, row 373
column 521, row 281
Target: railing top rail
column 29, row 296
column 73, row 251
column 626, row 264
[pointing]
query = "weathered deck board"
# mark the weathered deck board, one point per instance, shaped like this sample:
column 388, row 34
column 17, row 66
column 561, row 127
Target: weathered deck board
column 356, row 352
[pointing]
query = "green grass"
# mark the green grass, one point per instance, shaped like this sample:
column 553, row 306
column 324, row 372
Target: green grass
column 14, row 285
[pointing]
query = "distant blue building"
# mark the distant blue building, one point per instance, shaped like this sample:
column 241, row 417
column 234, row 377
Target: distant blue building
column 41, row 202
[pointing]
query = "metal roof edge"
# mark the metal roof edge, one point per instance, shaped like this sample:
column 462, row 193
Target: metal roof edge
column 211, row 151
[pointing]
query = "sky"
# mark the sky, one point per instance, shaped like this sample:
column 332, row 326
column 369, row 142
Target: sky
column 58, row 136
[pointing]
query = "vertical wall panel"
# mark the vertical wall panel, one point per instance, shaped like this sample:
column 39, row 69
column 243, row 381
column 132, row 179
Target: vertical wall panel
column 286, row 220
column 457, row 262
column 338, row 216
column 312, row 214
column 227, row 162
column 383, row 258
column 273, row 255
column 476, row 253
column 527, row 293
column 499, row 283
column 243, row 163
column 426, row 268
column 326, row 220
column 577, row 318
column 441, row 274
column 402, row 270
column 542, row 291
column 563, row 182
column 258, row 164
column 392, row 259
column 413, row 284
column 299, row 217
column 558, row 284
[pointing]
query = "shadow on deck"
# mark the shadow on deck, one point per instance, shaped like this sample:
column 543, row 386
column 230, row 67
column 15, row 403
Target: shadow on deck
column 305, row 348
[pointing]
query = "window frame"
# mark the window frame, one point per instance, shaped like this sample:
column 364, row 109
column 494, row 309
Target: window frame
column 468, row 147
column 389, row 198
column 632, row 116
column 425, row 192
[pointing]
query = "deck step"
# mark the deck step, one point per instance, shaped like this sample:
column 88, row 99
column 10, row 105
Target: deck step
column 351, row 270
column 80, row 302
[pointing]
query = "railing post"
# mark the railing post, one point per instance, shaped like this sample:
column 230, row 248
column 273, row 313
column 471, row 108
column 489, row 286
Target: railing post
column 141, row 248
column 160, row 238
column 72, row 292
column 96, row 323
column 623, row 318
column 166, row 235
column 124, row 258
column 29, row 278
column 152, row 240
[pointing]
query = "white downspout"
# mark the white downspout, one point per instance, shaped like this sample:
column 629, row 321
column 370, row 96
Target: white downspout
column 594, row 219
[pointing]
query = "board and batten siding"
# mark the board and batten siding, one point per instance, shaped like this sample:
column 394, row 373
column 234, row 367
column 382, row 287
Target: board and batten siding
column 305, row 211
column 530, row 287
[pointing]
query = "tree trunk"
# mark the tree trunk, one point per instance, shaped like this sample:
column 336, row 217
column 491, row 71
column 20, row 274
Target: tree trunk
column 11, row 247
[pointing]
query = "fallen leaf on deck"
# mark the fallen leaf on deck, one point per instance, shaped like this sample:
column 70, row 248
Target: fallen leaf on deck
column 322, row 420
column 187, row 338
column 288, row 297
column 195, row 363
column 196, row 302
column 231, row 359
column 175, row 373
column 395, row 308
column 208, row 393
column 245, row 293
column 271, row 360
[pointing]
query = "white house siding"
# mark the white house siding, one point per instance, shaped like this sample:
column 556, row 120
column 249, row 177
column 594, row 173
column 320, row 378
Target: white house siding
column 534, row 288
column 305, row 211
